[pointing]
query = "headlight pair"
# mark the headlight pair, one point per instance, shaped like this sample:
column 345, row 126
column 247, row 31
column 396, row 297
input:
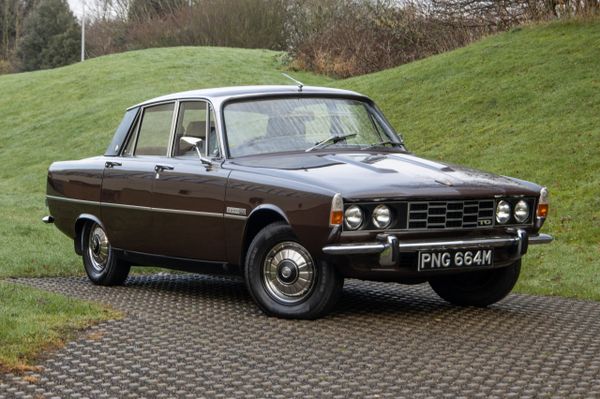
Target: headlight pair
column 354, row 217
column 520, row 213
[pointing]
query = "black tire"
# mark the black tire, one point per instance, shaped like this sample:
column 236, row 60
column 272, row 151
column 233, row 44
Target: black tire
column 276, row 261
column 99, row 260
column 481, row 288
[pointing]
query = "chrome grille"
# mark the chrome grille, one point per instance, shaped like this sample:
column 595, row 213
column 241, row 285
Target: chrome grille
column 450, row 214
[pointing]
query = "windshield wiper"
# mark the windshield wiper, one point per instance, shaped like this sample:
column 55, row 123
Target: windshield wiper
column 329, row 141
column 383, row 143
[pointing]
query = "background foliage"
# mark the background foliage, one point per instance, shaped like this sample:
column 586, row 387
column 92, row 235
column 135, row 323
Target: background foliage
column 37, row 34
column 51, row 37
column 336, row 37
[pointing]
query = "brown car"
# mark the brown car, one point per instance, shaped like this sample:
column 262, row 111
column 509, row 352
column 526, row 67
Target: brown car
column 295, row 188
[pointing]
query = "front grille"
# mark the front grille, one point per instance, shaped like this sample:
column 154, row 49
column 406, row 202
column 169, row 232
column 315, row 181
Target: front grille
column 450, row 214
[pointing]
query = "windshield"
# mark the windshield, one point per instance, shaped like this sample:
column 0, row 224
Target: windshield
column 301, row 124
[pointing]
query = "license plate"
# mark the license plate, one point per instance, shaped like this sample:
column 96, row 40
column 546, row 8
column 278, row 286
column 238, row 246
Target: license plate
column 454, row 259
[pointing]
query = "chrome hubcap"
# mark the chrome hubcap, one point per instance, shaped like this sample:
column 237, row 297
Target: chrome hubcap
column 98, row 248
column 288, row 272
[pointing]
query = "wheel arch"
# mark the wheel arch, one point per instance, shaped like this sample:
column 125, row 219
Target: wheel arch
column 79, row 223
column 260, row 217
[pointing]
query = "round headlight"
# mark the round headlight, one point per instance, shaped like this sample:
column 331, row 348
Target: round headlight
column 521, row 211
column 502, row 212
column 353, row 217
column 382, row 216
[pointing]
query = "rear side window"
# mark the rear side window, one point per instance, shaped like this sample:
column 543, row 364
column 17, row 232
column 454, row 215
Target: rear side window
column 115, row 146
column 155, row 129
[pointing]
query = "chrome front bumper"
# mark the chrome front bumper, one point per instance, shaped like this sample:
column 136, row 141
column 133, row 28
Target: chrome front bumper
column 389, row 246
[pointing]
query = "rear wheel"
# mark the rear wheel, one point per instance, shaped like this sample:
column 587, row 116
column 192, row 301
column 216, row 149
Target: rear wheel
column 99, row 260
column 481, row 288
column 285, row 280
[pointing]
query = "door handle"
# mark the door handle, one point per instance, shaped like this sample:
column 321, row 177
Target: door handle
column 111, row 164
column 163, row 166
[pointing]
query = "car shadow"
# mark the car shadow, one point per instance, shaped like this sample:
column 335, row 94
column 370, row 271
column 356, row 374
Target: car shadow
column 359, row 298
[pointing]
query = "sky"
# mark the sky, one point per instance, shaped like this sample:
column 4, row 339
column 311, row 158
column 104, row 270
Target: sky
column 76, row 6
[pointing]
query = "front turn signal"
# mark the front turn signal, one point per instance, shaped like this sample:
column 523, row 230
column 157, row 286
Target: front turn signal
column 542, row 210
column 336, row 216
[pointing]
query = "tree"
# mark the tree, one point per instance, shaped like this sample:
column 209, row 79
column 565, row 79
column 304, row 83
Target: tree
column 12, row 13
column 147, row 9
column 51, row 36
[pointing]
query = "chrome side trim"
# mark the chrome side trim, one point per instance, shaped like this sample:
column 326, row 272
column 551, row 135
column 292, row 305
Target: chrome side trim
column 162, row 210
column 184, row 212
column 73, row 200
column 235, row 217
column 124, row 206
column 147, row 208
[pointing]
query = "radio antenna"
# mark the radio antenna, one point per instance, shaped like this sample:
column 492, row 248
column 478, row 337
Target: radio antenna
column 298, row 83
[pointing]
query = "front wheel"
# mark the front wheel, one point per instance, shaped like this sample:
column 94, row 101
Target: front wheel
column 99, row 260
column 480, row 288
column 285, row 280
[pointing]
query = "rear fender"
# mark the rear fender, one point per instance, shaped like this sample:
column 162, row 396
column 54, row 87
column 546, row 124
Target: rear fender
column 79, row 223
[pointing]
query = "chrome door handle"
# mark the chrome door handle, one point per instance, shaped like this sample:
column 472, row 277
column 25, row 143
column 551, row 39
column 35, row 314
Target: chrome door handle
column 111, row 164
column 162, row 166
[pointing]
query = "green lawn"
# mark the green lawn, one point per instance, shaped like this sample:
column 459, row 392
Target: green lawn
column 33, row 321
column 524, row 103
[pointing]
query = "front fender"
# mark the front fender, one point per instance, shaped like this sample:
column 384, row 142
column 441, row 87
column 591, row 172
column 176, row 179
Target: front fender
column 270, row 207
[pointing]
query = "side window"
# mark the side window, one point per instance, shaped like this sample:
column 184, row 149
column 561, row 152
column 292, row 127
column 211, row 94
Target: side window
column 121, row 133
column 154, row 131
column 191, row 122
column 196, row 119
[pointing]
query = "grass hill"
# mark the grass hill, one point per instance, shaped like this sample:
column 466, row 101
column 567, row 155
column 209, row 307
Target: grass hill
column 524, row 103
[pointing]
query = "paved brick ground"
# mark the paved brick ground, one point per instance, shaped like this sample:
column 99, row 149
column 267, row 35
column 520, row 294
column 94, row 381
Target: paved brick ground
column 197, row 336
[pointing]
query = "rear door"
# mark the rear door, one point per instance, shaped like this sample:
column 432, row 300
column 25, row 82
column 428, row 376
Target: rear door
column 129, row 178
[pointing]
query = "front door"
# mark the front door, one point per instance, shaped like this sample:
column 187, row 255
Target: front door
column 188, row 196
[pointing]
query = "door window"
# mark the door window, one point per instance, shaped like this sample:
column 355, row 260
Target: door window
column 155, row 130
column 196, row 119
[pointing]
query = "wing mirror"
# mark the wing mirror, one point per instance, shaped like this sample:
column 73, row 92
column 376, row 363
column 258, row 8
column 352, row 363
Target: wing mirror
column 196, row 143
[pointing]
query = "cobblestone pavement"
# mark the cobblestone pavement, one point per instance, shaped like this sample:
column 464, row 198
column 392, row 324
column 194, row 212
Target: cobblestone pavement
column 198, row 336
